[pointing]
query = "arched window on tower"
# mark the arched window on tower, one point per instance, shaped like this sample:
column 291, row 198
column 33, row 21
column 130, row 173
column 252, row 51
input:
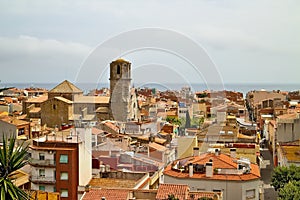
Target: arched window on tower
column 118, row 69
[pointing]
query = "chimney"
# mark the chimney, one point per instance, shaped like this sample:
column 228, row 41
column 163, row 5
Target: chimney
column 209, row 169
column 233, row 152
column 87, row 188
column 217, row 152
column 84, row 113
column 196, row 151
column 191, row 168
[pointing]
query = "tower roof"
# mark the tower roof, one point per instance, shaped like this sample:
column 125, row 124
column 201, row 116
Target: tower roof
column 65, row 87
column 121, row 60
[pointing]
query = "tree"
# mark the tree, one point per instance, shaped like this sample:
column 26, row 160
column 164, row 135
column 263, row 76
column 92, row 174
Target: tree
column 283, row 175
column 198, row 121
column 173, row 120
column 12, row 158
column 290, row 191
column 183, row 122
column 172, row 197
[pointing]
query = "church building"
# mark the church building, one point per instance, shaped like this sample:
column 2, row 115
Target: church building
column 123, row 99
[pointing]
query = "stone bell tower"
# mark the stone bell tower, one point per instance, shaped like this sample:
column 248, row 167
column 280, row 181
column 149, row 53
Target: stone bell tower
column 120, row 79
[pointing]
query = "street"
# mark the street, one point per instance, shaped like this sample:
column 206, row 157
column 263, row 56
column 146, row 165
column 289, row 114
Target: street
column 266, row 172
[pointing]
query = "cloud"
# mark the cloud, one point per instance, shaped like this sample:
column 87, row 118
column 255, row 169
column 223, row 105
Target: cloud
column 26, row 57
column 32, row 46
column 239, row 35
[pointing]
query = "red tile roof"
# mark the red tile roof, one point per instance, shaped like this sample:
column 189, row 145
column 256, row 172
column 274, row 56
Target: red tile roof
column 179, row 191
column 109, row 194
column 38, row 99
column 221, row 161
column 202, row 194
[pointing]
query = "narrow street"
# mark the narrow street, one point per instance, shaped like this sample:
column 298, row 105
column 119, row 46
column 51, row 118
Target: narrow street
column 266, row 173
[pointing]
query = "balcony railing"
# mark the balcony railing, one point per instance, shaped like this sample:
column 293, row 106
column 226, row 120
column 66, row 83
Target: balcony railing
column 42, row 179
column 45, row 163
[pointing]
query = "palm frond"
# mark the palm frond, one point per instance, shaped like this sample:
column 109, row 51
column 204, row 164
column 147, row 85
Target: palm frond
column 12, row 158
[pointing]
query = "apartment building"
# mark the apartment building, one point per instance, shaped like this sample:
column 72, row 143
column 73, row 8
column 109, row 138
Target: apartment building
column 62, row 162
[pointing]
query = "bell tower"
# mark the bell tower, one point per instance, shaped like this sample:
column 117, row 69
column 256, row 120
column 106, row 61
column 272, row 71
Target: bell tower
column 120, row 79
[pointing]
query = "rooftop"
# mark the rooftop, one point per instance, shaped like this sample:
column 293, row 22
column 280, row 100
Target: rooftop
column 64, row 100
column 288, row 116
column 38, row 99
column 157, row 147
column 112, row 183
column 65, row 87
column 225, row 168
column 179, row 191
column 120, row 60
column 14, row 121
column 291, row 152
column 68, row 136
column 109, row 194
column 92, row 99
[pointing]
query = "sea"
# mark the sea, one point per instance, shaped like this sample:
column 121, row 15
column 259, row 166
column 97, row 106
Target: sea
column 239, row 87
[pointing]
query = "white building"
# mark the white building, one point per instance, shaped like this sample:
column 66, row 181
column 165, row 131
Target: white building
column 237, row 179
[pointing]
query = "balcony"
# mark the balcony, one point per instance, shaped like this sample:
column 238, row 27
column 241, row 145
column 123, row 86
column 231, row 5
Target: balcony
column 42, row 180
column 42, row 163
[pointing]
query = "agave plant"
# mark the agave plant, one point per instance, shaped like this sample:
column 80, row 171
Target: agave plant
column 12, row 158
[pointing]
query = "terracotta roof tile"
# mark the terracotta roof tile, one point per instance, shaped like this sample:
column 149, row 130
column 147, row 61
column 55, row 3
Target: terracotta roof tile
column 179, row 191
column 109, row 194
column 112, row 183
column 38, row 99
column 201, row 194
column 221, row 161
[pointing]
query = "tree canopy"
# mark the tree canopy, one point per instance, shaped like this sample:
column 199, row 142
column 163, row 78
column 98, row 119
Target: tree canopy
column 290, row 191
column 283, row 175
column 173, row 120
column 172, row 197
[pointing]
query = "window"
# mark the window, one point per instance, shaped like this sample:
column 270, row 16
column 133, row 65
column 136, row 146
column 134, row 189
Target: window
column 118, row 69
column 54, row 107
column 64, row 176
column 42, row 187
column 41, row 156
column 250, row 194
column 42, row 172
column 63, row 158
column 54, row 189
column 64, row 193
column 54, row 174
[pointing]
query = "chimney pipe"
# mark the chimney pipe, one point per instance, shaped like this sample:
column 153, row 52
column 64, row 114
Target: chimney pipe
column 209, row 169
column 196, row 151
column 233, row 152
column 217, row 152
column 191, row 172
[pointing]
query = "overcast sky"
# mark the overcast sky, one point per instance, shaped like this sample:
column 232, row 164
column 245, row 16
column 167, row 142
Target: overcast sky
column 253, row 41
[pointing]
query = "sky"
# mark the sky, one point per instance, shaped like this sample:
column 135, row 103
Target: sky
column 248, row 42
